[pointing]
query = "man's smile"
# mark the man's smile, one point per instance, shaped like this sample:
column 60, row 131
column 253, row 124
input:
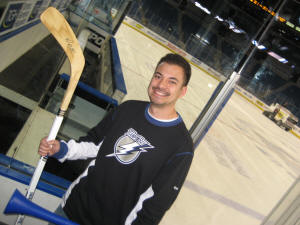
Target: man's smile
column 159, row 92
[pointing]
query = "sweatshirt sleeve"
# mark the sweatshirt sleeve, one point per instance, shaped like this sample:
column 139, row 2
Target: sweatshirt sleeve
column 164, row 190
column 87, row 146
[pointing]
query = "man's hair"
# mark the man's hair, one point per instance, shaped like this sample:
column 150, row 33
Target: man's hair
column 178, row 60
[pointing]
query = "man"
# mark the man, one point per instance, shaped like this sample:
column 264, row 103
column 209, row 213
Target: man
column 142, row 153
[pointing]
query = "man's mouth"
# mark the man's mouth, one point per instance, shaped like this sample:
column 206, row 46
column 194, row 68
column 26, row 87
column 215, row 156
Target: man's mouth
column 159, row 92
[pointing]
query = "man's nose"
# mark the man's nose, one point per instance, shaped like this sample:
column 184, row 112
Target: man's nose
column 162, row 83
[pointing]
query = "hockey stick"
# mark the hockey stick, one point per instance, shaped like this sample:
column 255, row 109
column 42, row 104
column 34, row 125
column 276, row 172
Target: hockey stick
column 60, row 29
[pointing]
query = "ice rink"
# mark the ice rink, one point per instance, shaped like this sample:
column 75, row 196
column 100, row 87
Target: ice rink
column 244, row 164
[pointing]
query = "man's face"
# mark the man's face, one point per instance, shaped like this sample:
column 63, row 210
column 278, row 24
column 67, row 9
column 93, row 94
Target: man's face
column 166, row 85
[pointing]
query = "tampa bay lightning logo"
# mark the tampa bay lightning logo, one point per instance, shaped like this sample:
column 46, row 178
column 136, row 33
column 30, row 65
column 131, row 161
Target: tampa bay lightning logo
column 129, row 146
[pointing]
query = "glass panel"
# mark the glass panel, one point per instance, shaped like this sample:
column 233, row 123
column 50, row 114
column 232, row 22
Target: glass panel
column 12, row 119
column 246, row 162
column 216, row 36
column 101, row 13
column 273, row 73
column 287, row 211
column 31, row 74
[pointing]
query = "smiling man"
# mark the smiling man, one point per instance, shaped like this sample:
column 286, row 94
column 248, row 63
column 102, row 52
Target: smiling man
column 142, row 153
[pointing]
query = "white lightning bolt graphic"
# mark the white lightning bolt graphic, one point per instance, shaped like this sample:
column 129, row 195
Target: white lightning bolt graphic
column 130, row 148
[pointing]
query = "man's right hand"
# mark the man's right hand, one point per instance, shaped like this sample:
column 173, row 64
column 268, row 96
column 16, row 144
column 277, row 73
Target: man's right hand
column 48, row 148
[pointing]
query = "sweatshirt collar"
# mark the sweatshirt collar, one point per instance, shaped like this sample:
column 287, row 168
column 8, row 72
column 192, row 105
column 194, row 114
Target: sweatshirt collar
column 161, row 123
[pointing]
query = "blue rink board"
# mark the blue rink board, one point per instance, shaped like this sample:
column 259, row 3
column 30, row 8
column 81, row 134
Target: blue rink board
column 21, row 172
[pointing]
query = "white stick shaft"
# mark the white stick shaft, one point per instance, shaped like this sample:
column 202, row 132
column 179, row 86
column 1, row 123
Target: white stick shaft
column 39, row 169
column 55, row 127
column 41, row 164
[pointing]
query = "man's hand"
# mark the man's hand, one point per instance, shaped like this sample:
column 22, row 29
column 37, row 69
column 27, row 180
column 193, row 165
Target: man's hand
column 48, row 148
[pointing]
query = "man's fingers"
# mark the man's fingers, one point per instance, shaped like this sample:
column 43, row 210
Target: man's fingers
column 44, row 147
column 43, row 152
column 48, row 148
column 51, row 142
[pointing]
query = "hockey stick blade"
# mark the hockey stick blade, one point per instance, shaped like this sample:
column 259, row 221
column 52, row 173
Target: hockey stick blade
column 63, row 33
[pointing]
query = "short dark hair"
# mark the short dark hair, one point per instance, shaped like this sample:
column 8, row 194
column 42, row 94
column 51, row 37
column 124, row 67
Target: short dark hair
column 178, row 60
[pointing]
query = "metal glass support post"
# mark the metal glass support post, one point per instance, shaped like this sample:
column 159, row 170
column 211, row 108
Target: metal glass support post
column 212, row 109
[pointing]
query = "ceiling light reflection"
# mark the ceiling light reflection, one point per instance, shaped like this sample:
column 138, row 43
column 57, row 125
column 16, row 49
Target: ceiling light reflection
column 202, row 8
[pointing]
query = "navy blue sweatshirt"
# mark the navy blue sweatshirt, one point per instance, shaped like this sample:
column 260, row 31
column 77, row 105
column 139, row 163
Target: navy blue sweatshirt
column 139, row 166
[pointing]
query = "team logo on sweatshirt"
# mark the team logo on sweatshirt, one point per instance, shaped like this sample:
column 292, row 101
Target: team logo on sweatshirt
column 129, row 146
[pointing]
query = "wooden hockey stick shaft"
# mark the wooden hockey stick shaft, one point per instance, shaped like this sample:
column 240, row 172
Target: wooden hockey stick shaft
column 63, row 33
